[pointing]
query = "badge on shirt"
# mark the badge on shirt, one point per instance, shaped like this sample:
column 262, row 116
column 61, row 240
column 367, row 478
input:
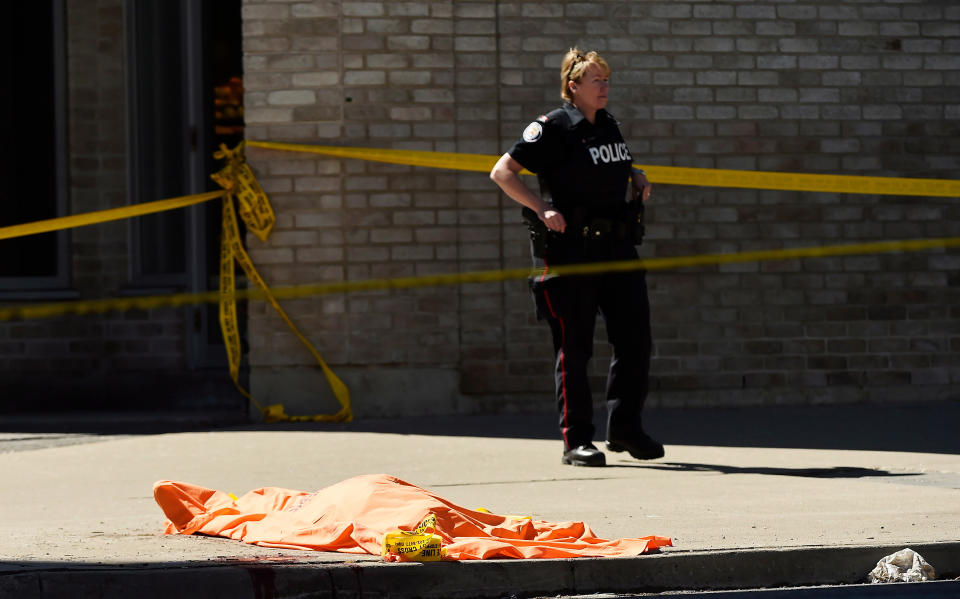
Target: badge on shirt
column 533, row 132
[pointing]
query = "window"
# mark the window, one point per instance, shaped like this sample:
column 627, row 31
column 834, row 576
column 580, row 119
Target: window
column 32, row 125
column 160, row 136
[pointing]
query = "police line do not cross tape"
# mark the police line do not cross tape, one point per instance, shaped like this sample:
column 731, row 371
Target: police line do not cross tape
column 483, row 163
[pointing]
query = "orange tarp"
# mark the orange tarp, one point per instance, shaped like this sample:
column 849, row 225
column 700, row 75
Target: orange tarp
column 353, row 516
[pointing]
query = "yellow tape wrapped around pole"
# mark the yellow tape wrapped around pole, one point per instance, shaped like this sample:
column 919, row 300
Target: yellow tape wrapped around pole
column 674, row 175
column 237, row 178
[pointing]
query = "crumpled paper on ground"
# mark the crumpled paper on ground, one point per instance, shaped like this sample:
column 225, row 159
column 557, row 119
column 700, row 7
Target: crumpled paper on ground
column 905, row 565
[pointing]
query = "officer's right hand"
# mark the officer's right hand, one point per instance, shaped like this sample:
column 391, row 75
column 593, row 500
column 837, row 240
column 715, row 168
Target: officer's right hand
column 553, row 219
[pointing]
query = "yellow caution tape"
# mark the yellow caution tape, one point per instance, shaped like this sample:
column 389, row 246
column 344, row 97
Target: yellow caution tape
column 898, row 186
column 674, row 175
column 238, row 181
column 26, row 312
column 448, row 160
column 103, row 216
column 256, row 212
column 419, row 545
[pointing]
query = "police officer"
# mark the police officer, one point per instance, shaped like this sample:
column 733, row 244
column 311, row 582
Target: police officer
column 582, row 215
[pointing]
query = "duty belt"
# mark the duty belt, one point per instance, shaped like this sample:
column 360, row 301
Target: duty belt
column 590, row 230
column 599, row 228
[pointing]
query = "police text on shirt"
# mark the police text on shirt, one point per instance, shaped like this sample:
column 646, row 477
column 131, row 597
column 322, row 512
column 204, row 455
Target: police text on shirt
column 613, row 152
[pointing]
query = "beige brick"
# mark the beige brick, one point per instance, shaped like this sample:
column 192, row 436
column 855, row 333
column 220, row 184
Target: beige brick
column 268, row 44
column 270, row 255
column 407, row 77
column 412, row 113
column 269, row 115
column 291, row 97
column 414, row 217
column 264, row 11
column 318, row 79
column 408, row 42
column 367, row 254
column 387, row 61
column 411, row 252
column 408, row 9
column 435, row 235
column 294, row 238
column 474, row 10
column 433, row 95
column 314, row 10
column 316, row 184
column 391, row 235
column 390, row 130
column 364, row 78
column 306, row 220
column 369, row 183
column 432, row 26
column 319, row 254
column 475, row 44
column 289, row 62
column 362, row 9
column 276, row 184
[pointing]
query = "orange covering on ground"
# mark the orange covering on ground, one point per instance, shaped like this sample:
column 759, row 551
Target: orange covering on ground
column 352, row 516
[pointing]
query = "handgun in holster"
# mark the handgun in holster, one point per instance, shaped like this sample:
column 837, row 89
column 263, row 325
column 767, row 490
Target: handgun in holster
column 538, row 232
column 634, row 222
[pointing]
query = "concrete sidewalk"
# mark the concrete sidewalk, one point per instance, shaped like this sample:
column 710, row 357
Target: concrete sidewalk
column 752, row 498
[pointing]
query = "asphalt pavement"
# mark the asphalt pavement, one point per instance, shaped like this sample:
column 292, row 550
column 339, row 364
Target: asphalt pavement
column 754, row 497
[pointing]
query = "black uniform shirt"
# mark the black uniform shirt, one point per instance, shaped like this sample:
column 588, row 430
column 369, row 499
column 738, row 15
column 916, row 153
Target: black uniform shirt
column 583, row 167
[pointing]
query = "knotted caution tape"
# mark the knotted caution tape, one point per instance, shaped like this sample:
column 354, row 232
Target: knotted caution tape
column 239, row 182
column 422, row 544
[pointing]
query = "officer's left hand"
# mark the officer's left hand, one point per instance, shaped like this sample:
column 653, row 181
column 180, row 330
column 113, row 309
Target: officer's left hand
column 641, row 187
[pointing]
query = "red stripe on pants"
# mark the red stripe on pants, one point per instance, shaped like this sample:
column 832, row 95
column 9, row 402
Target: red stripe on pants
column 563, row 368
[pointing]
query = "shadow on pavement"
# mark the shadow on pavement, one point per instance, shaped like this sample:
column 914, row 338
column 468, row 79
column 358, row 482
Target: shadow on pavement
column 835, row 472
column 118, row 422
column 924, row 427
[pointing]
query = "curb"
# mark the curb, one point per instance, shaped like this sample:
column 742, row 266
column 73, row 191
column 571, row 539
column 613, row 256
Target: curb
column 671, row 571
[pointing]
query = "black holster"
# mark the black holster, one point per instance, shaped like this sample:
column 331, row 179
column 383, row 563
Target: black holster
column 633, row 222
column 538, row 232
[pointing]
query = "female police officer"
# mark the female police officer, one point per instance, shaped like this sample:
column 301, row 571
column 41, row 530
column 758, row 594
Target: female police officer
column 582, row 215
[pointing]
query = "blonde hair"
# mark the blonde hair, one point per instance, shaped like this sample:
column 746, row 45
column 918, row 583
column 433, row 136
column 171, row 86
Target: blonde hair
column 575, row 64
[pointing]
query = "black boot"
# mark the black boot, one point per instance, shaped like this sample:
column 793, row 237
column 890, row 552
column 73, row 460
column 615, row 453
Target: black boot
column 639, row 444
column 584, row 455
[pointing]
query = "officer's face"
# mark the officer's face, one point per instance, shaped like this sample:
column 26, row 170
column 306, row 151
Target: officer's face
column 590, row 93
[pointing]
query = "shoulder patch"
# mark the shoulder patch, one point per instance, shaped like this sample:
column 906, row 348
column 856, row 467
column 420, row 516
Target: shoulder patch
column 533, row 132
column 543, row 118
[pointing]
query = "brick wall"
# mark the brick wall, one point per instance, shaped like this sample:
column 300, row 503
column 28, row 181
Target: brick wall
column 869, row 88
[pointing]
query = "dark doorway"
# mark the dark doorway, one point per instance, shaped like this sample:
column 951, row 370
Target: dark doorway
column 186, row 98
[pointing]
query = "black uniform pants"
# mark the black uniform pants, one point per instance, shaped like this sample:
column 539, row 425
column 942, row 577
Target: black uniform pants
column 570, row 305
